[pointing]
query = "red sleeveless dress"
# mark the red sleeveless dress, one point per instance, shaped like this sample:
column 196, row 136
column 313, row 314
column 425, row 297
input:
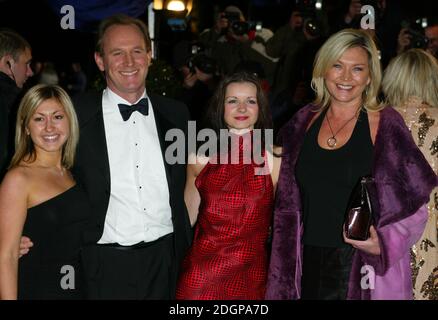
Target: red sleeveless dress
column 228, row 258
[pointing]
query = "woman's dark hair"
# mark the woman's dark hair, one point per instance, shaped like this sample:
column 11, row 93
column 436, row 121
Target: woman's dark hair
column 214, row 117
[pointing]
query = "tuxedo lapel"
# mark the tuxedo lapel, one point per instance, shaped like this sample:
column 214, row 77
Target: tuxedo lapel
column 93, row 135
column 163, row 125
column 98, row 144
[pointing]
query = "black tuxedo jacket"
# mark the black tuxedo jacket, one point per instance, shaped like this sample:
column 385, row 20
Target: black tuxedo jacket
column 91, row 167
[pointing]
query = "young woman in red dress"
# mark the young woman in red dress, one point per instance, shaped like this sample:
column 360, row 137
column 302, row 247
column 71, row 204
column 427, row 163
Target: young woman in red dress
column 230, row 198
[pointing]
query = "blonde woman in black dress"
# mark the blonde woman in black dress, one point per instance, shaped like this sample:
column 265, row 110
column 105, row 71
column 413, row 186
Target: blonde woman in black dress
column 40, row 199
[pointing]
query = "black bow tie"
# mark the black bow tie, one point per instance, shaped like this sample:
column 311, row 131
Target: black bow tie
column 127, row 110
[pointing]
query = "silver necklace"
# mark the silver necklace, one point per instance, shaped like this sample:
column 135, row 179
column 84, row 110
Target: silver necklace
column 332, row 141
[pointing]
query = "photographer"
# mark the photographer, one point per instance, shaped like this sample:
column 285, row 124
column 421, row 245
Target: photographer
column 296, row 44
column 413, row 36
column 431, row 33
column 410, row 37
column 224, row 45
column 301, row 34
column 233, row 40
column 285, row 44
column 198, row 76
column 386, row 16
column 347, row 15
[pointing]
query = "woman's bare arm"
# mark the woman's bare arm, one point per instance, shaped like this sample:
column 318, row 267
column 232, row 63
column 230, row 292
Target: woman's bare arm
column 13, row 212
column 191, row 193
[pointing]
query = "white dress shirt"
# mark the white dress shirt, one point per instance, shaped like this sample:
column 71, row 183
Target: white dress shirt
column 139, row 208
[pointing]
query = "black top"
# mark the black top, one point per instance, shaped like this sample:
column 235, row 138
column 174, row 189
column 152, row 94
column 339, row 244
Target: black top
column 326, row 179
column 56, row 229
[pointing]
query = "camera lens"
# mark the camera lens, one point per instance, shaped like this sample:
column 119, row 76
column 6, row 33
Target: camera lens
column 240, row 27
column 312, row 27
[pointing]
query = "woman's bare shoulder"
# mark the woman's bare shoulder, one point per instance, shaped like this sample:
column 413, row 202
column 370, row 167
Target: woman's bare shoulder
column 17, row 175
column 16, row 183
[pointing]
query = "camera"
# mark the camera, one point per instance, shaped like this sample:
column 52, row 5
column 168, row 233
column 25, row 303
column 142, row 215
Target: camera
column 199, row 59
column 238, row 27
column 418, row 39
column 308, row 10
column 203, row 62
column 312, row 27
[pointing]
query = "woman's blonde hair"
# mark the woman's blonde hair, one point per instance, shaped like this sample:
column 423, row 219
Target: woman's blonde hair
column 413, row 73
column 24, row 146
column 331, row 51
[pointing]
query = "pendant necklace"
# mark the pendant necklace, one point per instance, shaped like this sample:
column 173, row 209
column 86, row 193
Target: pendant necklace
column 332, row 141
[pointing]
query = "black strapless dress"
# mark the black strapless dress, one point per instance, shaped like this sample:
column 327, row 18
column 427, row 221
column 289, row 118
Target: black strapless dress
column 51, row 269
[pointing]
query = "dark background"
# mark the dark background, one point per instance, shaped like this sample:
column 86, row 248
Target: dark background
column 39, row 23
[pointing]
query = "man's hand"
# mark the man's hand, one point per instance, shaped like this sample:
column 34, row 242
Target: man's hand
column 370, row 246
column 25, row 245
column 190, row 80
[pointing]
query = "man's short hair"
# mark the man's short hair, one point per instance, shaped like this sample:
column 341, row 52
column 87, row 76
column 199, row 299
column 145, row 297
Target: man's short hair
column 12, row 43
column 124, row 20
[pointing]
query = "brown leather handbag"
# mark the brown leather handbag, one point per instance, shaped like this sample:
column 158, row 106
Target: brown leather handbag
column 359, row 215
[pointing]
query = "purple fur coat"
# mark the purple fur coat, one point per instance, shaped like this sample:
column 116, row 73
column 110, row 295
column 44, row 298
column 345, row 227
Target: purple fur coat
column 403, row 181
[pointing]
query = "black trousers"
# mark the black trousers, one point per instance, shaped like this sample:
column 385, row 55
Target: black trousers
column 146, row 272
column 326, row 272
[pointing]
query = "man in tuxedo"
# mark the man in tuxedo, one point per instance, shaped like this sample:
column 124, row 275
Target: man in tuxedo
column 15, row 58
column 140, row 228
